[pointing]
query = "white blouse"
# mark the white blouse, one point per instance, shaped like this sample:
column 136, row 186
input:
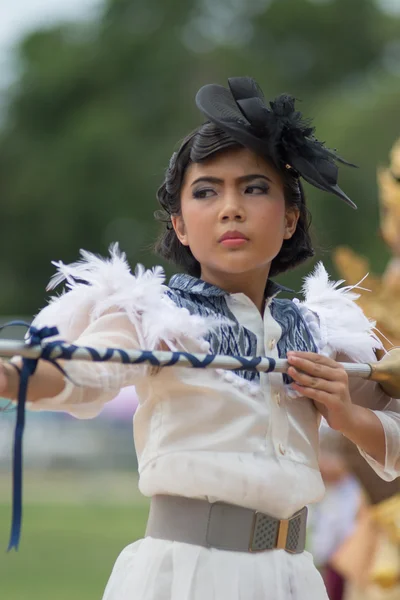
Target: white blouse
column 199, row 433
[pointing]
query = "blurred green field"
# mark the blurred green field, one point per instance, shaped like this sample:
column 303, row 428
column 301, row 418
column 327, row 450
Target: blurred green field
column 67, row 549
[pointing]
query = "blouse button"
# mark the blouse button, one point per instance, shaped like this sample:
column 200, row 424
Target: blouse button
column 229, row 377
column 272, row 344
column 282, row 449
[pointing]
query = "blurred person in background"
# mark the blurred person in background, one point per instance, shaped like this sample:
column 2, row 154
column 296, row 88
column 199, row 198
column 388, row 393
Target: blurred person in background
column 369, row 558
column 228, row 458
column 354, row 531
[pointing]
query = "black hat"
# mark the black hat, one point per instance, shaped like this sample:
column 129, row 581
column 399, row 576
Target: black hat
column 279, row 131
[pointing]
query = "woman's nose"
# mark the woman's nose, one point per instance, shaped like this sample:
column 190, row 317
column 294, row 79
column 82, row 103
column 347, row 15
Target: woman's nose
column 232, row 209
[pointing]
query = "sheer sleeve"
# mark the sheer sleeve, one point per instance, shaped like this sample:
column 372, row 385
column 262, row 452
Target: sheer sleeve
column 370, row 395
column 88, row 386
column 342, row 331
column 105, row 305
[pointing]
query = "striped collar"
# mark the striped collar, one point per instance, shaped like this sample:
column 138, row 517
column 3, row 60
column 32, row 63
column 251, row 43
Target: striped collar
column 192, row 285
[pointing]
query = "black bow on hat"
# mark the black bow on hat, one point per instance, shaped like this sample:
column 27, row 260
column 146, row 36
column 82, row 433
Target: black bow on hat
column 280, row 132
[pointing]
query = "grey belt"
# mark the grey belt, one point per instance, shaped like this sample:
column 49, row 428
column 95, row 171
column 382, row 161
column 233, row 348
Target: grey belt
column 224, row 526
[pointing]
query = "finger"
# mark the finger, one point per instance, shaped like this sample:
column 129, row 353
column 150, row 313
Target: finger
column 305, row 380
column 316, row 358
column 318, row 396
column 317, row 369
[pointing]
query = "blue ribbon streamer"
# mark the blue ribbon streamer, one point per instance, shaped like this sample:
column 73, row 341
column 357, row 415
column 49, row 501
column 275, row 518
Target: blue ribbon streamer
column 29, row 366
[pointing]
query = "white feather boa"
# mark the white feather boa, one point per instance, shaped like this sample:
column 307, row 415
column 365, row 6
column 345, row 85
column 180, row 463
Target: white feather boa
column 95, row 285
column 336, row 322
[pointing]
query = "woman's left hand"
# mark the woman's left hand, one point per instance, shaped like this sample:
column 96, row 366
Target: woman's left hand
column 324, row 381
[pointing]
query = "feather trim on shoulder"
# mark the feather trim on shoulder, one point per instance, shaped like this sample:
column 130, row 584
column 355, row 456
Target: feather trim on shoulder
column 336, row 321
column 95, row 286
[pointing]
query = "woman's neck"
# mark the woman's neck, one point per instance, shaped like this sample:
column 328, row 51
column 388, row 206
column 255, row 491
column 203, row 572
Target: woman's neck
column 252, row 284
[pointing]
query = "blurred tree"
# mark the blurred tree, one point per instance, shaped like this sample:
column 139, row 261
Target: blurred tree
column 301, row 46
column 363, row 122
column 97, row 110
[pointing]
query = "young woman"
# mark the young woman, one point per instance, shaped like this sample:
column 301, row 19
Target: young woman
column 228, row 458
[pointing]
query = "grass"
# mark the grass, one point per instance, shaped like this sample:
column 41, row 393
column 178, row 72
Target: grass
column 67, row 549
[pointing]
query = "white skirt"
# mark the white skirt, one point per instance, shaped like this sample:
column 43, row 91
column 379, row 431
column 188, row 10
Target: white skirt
column 152, row 569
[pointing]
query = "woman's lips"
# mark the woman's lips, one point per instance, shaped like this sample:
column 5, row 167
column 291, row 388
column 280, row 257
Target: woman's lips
column 234, row 242
column 232, row 239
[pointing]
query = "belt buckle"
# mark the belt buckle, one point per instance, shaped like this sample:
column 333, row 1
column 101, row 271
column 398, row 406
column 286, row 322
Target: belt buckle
column 265, row 538
column 283, row 531
column 289, row 527
column 275, row 530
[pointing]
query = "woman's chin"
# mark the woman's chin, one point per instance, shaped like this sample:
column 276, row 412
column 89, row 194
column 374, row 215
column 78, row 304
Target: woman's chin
column 236, row 266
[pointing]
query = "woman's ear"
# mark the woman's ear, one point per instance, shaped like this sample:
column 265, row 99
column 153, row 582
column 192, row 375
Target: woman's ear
column 291, row 218
column 180, row 230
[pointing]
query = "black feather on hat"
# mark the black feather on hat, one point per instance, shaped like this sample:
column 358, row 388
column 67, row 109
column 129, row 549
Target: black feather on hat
column 279, row 131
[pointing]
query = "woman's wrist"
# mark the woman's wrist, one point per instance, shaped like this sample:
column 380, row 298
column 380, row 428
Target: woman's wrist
column 366, row 431
column 352, row 422
column 9, row 380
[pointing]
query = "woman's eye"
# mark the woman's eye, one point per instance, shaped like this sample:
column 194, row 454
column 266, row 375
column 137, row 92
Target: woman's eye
column 257, row 189
column 204, row 193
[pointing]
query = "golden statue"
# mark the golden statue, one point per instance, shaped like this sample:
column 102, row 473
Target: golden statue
column 381, row 302
column 376, row 575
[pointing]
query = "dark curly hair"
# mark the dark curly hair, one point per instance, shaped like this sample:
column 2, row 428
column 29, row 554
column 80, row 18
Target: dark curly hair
column 203, row 143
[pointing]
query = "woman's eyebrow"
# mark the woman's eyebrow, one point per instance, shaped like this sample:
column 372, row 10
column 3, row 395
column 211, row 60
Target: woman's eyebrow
column 253, row 176
column 207, row 179
column 242, row 179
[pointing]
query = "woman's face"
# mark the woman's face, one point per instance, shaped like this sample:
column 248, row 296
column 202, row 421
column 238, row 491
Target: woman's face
column 233, row 214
